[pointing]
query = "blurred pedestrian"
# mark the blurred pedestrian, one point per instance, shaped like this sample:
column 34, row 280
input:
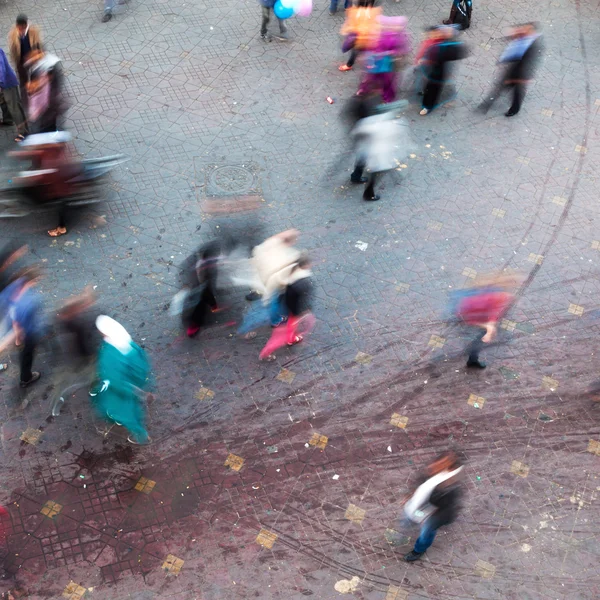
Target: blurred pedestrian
column 22, row 39
column 76, row 318
column 10, row 257
column 297, row 298
column 441, row 49
column 47, row 101
column 460, row 14
column 109, row 5
column 200, row 272
column 267, row 10
column 347, row 4
column 53, row 169
column 28, row 326
column 360, row 24
column 435, row 503
column 521, row 57
column 382, row 60
column 10, row 99
column 380, row 139
column 274, row 261
column 123, row 372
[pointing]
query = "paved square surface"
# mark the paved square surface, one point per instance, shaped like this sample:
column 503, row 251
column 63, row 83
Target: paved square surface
column 282, row 480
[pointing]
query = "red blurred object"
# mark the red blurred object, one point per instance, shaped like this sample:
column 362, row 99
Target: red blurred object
column 484, row 308
column 330, row 100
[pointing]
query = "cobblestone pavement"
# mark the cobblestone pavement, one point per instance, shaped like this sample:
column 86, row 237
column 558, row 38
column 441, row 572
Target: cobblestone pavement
column 280, row 480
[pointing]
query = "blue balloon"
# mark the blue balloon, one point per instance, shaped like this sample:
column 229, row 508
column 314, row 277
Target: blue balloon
column 283, row 12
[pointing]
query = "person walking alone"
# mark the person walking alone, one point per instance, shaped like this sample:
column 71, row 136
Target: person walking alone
column 435, row 503
column 521, row 57
column 123, row 371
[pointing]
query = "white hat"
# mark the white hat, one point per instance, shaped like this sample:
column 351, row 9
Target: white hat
column 114, row 333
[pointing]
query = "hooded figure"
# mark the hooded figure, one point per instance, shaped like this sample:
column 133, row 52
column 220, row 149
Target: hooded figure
column 123, row 370
column 47, row 102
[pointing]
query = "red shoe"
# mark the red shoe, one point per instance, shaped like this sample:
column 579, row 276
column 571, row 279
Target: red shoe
column 344, row 68
column 192, row 331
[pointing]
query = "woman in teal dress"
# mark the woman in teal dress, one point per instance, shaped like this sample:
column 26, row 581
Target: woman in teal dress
column 123, row 372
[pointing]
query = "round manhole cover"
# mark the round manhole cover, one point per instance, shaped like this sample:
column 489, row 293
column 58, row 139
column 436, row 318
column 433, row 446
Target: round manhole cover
column 231, row 179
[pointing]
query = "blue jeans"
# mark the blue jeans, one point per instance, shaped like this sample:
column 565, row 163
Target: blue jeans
column 426, row 537
column 334, row 3
column 109, row 5
column 277, row 310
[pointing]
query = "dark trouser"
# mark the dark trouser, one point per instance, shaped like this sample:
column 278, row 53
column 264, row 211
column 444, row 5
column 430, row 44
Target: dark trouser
column 27, row 353
column 359, row 167
column 431, row 94
column 206, row 302
column 266, row 17
column 62, row 215
column 10, row 101
column 518, row 90
column 352, row 58
column 474, row 348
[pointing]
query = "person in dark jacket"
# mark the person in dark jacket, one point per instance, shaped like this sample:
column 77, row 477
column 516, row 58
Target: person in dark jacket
column 521, row 57
column 200, row 277
column 298, row 294
column 442, row 49
column 267, row 9
column 436, row 502
column 460, row 14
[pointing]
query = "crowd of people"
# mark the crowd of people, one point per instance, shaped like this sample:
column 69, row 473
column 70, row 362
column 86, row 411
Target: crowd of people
column 278, row 273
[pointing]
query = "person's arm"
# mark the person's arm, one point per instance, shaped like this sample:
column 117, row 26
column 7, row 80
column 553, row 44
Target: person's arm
column 491, row 329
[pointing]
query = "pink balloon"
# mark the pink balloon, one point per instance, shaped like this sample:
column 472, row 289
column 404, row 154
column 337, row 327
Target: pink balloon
column 305, row 8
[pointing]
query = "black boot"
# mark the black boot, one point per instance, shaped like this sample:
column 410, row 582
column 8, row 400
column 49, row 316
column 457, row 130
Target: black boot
column 412, row 556
column 475, row 363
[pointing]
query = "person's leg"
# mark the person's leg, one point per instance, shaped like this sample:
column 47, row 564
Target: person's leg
column 473, row 350
column 6, row 116
column 352, row 59
column 136, row 425
column 333, row 6
column 425, row 538
column 108, row 10
column 388, row 87
column 13, row 102
column 266, row 16
column 369, row 193
column 292, row 325
column 518, row 93
column 276, row 312
column 27, row 354
column 208, row 295
column 492, row 96
column 61, row 229
column 431, row 95
column 282, row 28
column 359, row 167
